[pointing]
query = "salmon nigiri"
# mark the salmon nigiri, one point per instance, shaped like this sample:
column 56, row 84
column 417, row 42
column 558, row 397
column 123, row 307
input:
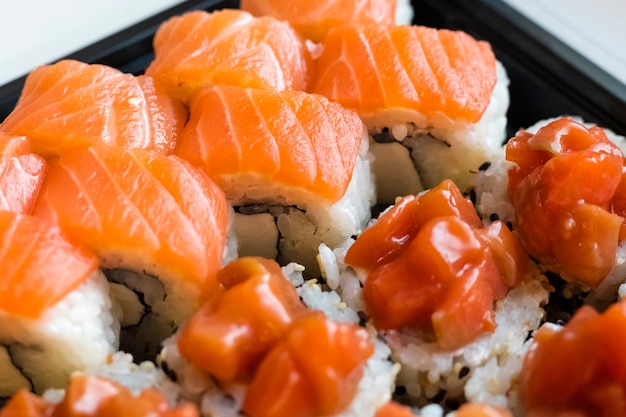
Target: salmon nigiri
column 158, row 225
column 21, row 174
column 71, row 104
column 439, row 97
column 314, row 19
column 228, row 47
column 55, row 311
column 283, row 149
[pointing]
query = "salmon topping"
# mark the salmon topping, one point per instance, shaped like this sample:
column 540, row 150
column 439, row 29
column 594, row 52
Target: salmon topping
column 481, row 410
column 228, row 47
column 70, row 105
column 158, row 209
column 394, row 409
column 566, row 191
column 232, row 332
column 89, row 396
column 291, row 381
column 247, row 137
column 257, row 331
column 577, row 370
column 21, row 174
column 313, row 20
column 430, row 257
column 39, row 265
column 372, row 68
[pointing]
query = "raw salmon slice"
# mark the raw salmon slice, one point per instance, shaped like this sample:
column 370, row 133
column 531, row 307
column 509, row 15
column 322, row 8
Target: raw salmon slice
column 39, row 265
column 291, row 143
column 21, row 174
column 95, row 396
column 71, row 105
column 313, row 19
column 374, row 69
column 228, row 47
column 138, row 210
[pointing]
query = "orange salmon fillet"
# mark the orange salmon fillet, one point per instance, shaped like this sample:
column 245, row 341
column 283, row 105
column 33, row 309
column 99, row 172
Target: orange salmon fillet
column 371, row 69
column 289, row 139
column 39, row 266
column 228, row 47
column 71, row 105
column 21, row 174
column 137, row 209
column 313, row 19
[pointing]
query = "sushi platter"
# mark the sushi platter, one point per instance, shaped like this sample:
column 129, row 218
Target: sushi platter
column 393, row 208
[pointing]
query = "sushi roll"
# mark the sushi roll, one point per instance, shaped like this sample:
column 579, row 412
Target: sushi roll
column 92, row 396
column 294, row 165
column 228, row 47
column 314, row 20
column 21, row 174
column 56, row 316
column 301, row 361
column 159, row 227
column 71, row 104
column 434, row 101
column 454, row 298
column 561, row 186
column 565, row 374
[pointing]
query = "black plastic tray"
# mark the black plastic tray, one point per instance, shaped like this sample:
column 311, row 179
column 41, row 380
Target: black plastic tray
column 548, row 78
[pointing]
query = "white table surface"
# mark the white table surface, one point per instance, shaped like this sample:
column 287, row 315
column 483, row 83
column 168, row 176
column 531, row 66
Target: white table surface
column 34, row 32
column 596, row 29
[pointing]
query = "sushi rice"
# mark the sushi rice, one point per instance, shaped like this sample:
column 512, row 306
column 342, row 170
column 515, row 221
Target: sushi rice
column 79, row 332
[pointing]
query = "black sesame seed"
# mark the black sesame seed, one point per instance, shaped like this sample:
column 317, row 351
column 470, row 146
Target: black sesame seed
column 362, row 318
column 509, row 225
column 384, row 137
column 452, row 404
column 472, row 195
column 484, row 166
column 493, row 217
column 168, row 371
column 400, row 390
column 464, row 372
column 439, row 396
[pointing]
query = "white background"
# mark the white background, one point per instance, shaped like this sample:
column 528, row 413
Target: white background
column 595, row 28
column 34, row 32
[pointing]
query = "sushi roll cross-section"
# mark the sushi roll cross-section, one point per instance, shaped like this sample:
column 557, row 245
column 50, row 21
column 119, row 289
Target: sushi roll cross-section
column 434, row 100
column 159, row 227
column 56, row 316
column 294, row 162
column 453, row 296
